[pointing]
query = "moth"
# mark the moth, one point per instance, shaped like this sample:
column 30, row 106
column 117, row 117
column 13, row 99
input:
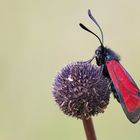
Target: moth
column 122, row 85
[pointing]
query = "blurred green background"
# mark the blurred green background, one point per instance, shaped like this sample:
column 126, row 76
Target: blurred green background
column 39, row 37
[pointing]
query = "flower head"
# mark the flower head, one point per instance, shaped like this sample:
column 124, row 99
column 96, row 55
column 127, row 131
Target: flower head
column 80, row 90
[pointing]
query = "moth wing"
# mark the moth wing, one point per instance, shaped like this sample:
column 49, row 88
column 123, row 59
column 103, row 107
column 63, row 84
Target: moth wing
column 126, row 88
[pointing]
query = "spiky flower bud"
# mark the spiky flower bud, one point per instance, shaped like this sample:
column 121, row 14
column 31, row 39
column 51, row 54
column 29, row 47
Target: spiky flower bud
column 81, row 90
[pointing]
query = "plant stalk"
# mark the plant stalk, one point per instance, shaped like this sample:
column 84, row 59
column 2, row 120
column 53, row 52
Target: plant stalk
column 89, row 129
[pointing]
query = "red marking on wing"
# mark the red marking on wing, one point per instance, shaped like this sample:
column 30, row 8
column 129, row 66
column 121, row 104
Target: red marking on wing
column 124, row 85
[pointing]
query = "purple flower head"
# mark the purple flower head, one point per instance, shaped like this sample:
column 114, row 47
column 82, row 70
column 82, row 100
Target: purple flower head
column 80, row 90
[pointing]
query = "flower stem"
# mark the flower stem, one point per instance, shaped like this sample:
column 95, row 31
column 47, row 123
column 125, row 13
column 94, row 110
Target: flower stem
column 89, row 129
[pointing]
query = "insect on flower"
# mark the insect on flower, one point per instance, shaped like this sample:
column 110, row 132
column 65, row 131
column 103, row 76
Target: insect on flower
column 122, row 85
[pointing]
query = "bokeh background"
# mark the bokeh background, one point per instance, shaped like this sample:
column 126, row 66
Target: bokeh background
column 39, row 37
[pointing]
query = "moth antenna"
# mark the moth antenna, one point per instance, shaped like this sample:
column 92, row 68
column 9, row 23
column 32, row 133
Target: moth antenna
column 85, row 28
column 94, row 20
